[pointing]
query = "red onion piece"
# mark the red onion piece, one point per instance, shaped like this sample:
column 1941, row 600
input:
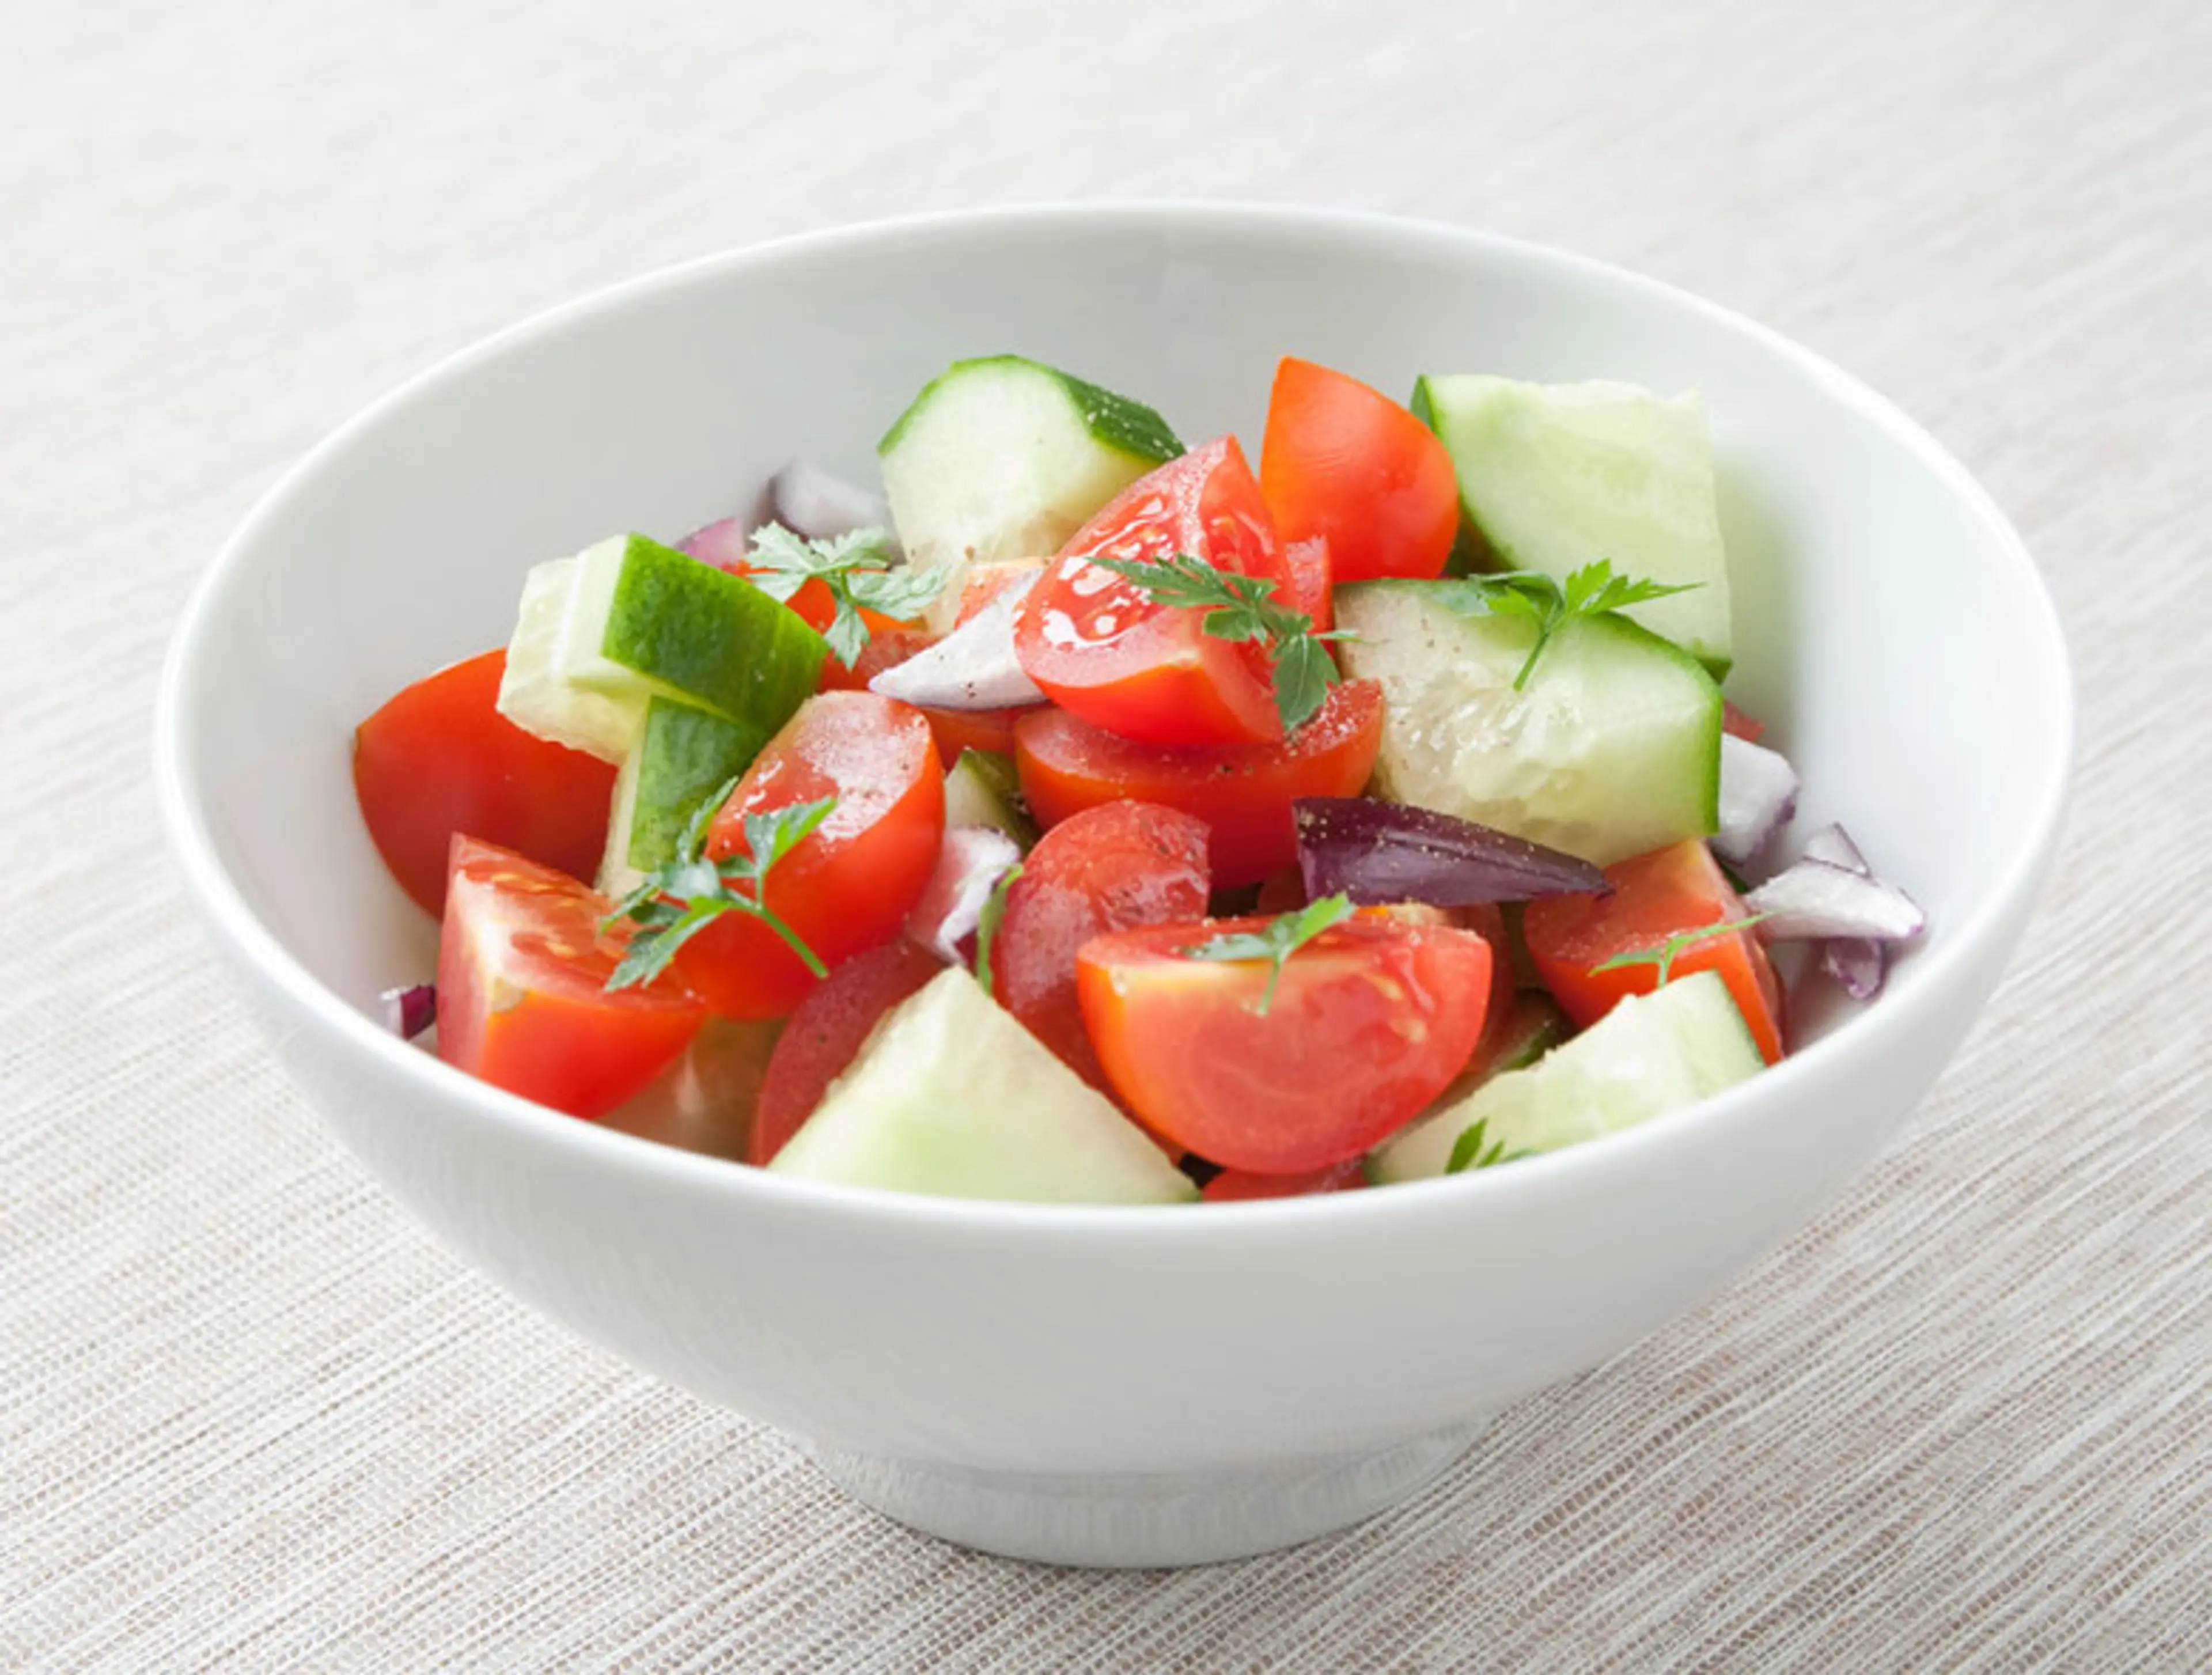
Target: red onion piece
column 1833, row 845
column 1758, row 794
column 1387, row 852
column 1859, row 963
column 950, row 905
column 409, row 1012
column 811, row 502
column 722, row 543
column 974, row 667
column 1814, row 900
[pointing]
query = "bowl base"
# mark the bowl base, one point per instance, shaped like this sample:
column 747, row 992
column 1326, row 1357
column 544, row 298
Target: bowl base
column 1146, row 1519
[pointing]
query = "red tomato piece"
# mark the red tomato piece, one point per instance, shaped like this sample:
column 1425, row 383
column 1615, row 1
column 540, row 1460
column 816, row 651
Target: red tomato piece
column 1110, row 868
column 824, row 1037
column 1238, row 1186
column 439, row 759
column 1746, row 728
column 1654, row 897
column 522, row 995
column 848, row 885
column 887, row 647
column 1101, row 647
column 958, row 730
column 1346, row 462
column 1242, row 792
column 1370, row 1021
column 1309, row 579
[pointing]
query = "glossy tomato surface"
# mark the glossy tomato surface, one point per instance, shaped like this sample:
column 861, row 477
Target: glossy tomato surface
column 1242, row 792
column 848, row 885
column 1369, row 1021
column 1243, row 1185
column 823, row 1036
column 1654, row 897
column 522, row 995
column 1110, row 868
column 1099, row 646
column 1346, row 462
column 439, row 759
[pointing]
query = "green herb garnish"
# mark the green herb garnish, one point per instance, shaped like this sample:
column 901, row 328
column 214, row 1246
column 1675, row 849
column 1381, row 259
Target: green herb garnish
column 859, row 569
column 1662, row 954
column 1469, row 1151
column 1539, row 598
column 688, row 894
column 986, row 923
column 1241, row 608
column 1283, row 936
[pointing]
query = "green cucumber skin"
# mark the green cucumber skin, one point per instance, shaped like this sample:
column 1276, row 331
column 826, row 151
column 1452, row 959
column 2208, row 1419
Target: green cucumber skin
column 686, row 754
column 1125, row 426
column 692, row 653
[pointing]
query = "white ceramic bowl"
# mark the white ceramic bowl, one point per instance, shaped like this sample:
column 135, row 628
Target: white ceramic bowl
column 1113, row 1386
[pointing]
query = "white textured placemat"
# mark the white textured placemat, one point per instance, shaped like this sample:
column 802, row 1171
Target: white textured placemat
column 250, row 1417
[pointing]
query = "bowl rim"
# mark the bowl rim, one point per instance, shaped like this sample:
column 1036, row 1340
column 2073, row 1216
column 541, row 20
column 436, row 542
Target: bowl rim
column 224, row 907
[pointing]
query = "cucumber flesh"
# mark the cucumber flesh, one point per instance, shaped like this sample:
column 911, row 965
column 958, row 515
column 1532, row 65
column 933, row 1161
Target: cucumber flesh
column 1612, row 748
column 683, row 756
column 629, row 620
column 1553, row 477
column 950, row 1096
column 1651, row 1055
column 981, row 788
column 1004, row 458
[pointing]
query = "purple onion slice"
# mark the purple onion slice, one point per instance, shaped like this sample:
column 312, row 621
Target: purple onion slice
column 1814, row 900
column 1759, row 793
column 812, row 503
column 1388, row 852
column 974, row 667
column 409, row 1012
column 950, row 905
column 722, row 543
column 1859, row 963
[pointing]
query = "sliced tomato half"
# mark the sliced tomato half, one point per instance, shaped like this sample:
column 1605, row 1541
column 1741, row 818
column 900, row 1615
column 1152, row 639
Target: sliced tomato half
column 1654, row 898
column 1100, row 647
column 522, row 995
column 849, row 884
column 1346, row 462
column 1242, row 792
column 439, row 759
column 1369, row 1021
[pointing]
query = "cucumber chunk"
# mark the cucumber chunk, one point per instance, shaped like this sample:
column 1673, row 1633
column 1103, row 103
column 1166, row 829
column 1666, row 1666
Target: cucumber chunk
column 981, row 788
column 950, row 1096
column 629, row 620
column 683, row 756
column 1553, row 477
column 1003, row 458
column 1651, row 1054
column 1612, row 749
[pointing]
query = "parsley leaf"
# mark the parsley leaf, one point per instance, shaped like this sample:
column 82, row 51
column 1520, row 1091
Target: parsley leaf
column 857, row 567
column 688, row 894
column 1242, row 608
column 1536, row 598
column 1283, row 936
column 987, row 924
column 1662, row 954
column 1469, row 1152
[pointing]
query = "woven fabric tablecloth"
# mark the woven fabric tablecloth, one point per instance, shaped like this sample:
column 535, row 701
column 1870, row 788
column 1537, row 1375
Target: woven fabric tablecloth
column 252, row 1416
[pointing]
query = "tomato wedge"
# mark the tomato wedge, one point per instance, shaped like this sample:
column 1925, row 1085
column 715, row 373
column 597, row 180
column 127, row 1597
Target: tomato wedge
column 824, row 1037
column 1345, row 462
column 1241, row 1186
column 1654, row 897
column 439, row 759
column 1369, row 1022
column 1110, row 868
column 522, row 995
column 1099, row 646
column 1242, row 792
column 848, row 885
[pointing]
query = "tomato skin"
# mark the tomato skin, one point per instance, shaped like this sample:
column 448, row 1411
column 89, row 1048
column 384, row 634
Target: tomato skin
column 1371, row 1021
column 439, row 759
column 848, row 885
column 1745, row 726
column 824, row 1037
column 522, row 997
column 1242, row 792
column 1111, row 868
column 1345, row 462
column 1654, row 897
column 1100, row 648
column 1243, row 1185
